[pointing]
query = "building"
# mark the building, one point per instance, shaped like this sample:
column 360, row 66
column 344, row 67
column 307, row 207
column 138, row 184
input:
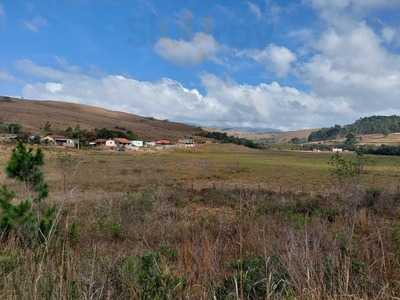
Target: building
column 150, row 144
column 163, row 142
column 111, row 143
column 100, row 142
column 122, row 141
column 48, row 140
column 186, row 143
column 138, row 144
column 7, row 138
column 337, row 150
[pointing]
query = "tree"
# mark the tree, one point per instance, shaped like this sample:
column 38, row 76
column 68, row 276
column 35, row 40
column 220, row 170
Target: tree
column 46, row 129
column 351, row 140
column 30, row 219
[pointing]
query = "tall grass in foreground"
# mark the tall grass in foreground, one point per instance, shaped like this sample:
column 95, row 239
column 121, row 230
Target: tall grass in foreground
column 173, row 242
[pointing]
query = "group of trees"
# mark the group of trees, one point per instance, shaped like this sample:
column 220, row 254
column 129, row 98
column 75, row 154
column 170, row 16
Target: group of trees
column 10, row 128
column 224, row 138
column 368, row 125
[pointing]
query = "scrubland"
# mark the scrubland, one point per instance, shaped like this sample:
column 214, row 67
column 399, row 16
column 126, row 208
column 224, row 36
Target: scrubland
column 218, row 222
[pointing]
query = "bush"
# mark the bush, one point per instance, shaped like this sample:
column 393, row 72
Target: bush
column 29, row 219
column 254, row 277
column 151, row 275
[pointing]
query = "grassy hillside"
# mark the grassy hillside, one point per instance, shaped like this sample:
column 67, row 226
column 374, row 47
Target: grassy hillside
column 364, row 126
column 274, row 137
column 32, row 115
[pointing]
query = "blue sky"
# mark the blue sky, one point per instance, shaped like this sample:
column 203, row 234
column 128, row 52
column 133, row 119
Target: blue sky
column 260, row 63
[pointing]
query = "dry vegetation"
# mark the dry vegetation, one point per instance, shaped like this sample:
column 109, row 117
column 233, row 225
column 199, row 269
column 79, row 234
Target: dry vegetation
column 219, row 222
column 33, row 115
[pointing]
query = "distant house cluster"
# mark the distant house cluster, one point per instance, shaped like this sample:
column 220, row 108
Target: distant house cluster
column 118, row 144
column 125, row 144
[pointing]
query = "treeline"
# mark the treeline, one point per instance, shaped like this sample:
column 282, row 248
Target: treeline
column 224, row 138
column 368, row 125
column 379, row 150
column 10, row 128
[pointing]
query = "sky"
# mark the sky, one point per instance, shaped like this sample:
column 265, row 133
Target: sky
column 283, row 64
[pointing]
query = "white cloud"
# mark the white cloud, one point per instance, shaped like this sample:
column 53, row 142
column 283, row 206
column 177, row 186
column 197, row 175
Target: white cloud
column 275, row 58
column 254, row 9
column 201, row 47
column 391, row 35
column 224, row 103
column 2, row 11
column 5, row 76
column 36, row 23
column 354, row 65
column 353, row 5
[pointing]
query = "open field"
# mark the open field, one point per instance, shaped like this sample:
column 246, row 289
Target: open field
column 223, row 165
column 217, row 222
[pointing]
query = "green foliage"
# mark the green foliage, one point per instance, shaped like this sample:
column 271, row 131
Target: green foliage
column 46, row 129
column 224, row 138
column 380, row 150
column 151, row 275
column 29, row 219
column 105, row 133
column 256, row 278
column 344, row 169
column 15, row 216
column 10, row 128
column 368, row 125
column 351, row 140
column 24, row 166
column 325, row 134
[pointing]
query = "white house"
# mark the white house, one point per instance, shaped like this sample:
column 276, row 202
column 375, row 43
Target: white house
column 138, row 144
column 111, row 143
column 337, row 150
column 150, row 144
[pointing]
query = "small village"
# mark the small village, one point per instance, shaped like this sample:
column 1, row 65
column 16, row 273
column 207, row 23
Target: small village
column 116, row 144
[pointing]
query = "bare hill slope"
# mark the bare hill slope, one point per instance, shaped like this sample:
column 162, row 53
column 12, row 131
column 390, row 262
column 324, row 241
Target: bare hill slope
column 32, row 115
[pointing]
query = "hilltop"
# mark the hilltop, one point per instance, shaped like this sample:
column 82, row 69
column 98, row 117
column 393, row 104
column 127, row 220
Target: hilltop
column 373, row 125
column 33, row 114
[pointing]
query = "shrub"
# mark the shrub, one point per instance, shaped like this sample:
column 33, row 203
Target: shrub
column 151, row 275
column 255, row 277
column 29, row 219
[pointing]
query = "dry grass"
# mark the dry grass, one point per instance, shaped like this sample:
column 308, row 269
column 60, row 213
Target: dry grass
column 210, row 209
column 32, row 115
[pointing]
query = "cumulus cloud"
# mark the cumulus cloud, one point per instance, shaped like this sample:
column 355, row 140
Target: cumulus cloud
column 354, row 65
column 275, row 58
column 202, row 47
column 223, row 102
column 36, row 23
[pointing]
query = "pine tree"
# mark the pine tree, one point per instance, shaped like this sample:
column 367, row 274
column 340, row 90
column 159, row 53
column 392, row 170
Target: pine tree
column 30, row 218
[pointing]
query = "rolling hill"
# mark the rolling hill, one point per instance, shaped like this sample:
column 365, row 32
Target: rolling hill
column 33, row 114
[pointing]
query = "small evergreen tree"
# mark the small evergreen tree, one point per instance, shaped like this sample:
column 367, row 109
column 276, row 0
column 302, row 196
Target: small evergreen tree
column 29, row 219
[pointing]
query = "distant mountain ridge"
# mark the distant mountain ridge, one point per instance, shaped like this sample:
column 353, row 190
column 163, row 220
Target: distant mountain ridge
column 33, row 114
column 251, row 129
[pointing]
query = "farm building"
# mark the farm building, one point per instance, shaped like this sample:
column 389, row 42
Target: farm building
column 337, row 150
column 122, row 141
column 186, row 143
column 111, row 143
column 150, row 144
column 6, row 138
column 163, row 142
column 138, row 144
